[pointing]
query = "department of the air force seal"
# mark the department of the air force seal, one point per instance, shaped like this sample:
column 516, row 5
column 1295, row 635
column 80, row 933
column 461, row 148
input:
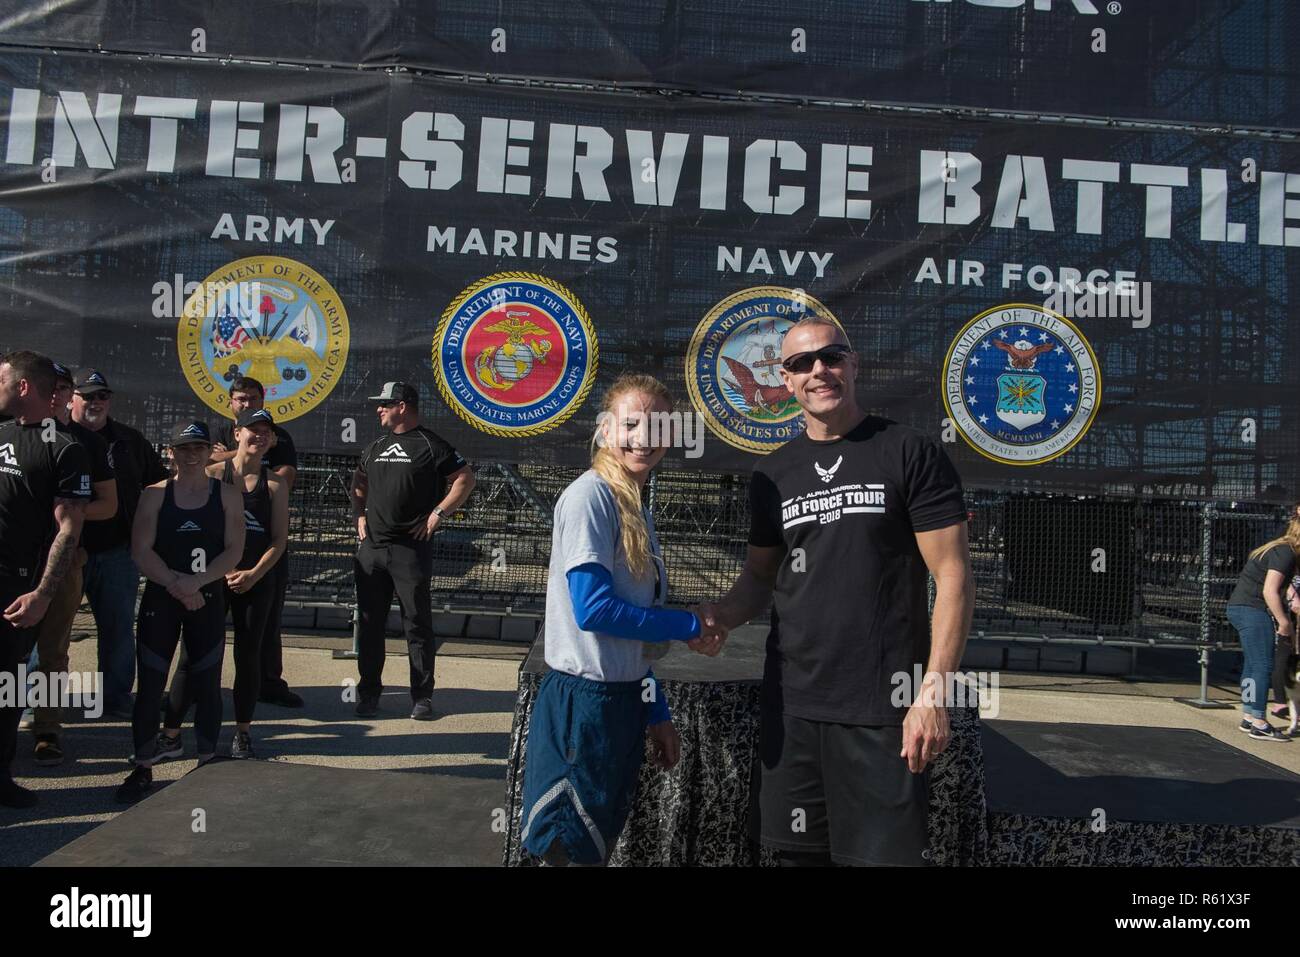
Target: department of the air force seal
column 1021, row 384
column 733, row 366
column 270, row 318
column 515, row 354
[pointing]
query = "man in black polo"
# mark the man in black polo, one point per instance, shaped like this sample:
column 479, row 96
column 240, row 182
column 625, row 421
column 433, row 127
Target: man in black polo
column 408, row 481
column 44, row 487
column 110, row 578
column 282, row 459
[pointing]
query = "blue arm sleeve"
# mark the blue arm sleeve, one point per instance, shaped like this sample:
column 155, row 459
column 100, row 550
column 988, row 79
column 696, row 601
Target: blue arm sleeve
column 659, row 707
column 597, row 608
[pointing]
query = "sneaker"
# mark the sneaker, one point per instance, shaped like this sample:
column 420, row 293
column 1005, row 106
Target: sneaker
column 1268, row 734
column 47, row 751
column 423, row 710
column 281, row 696
column 164, row 748
column 136, row 786
column 368, row 706
column 13, row 794
column 242, row 746
column 27, row 720
column 1282, row 711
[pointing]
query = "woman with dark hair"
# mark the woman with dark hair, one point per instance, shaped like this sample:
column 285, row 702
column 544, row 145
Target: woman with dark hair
column 1283, row 647
column 1258, row 611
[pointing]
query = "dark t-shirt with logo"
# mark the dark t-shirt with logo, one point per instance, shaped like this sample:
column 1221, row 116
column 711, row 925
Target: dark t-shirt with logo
column 849, row 610
column 406, row 476
column 136, row 465
column 33, row 473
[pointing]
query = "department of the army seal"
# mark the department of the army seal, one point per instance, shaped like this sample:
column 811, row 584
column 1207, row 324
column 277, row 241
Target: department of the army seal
column 270, row 318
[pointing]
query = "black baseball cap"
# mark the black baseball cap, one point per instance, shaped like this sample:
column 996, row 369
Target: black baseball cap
column 88, row 381
column 251, row 417
column 397, row 392
column 190, row 433
column 62, row 372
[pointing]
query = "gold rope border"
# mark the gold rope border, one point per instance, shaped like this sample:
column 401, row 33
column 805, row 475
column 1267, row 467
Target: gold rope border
column 697, row 342
column 588, row 382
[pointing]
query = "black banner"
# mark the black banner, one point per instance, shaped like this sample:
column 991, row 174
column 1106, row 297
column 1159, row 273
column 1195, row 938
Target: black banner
column 1065, row 307
column 1217, row 62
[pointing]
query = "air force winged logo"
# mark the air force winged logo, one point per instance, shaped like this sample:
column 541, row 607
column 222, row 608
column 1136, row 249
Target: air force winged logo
column 828, row 474
column 1021, row 384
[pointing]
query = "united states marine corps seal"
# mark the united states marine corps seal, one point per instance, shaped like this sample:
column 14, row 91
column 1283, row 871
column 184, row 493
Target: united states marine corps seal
column 270, row 318
column 515, row 354
column 733, row 366
column 1021, row 384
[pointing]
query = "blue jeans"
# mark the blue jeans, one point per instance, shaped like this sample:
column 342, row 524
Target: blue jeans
column 111, row 582
column 1256, row 628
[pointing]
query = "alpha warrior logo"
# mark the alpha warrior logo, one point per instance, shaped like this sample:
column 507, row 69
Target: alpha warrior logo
column 394, row 453
column 7, row 454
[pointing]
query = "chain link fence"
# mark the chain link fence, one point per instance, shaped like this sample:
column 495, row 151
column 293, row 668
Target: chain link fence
column 1113, row 570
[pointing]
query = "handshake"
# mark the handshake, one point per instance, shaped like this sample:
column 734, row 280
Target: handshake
column 712, row 633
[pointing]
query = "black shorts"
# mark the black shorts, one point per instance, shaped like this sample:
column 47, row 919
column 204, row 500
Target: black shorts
column 841, row 789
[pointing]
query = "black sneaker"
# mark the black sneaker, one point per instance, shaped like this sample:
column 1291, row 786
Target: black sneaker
column 135, row 787
column 423, row 710
column 1268, row 734
column 15, row 795
column 166, row 747
column 281, row 696
column 242, row 746
column 47, row 752
column 368, row 706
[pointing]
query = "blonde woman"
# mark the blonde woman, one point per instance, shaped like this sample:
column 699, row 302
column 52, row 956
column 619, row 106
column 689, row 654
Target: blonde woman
column 1258, row 612
column 599, row 704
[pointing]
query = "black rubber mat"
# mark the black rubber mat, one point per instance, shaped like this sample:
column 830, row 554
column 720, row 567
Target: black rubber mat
column 1134, row 774
column 259, row 813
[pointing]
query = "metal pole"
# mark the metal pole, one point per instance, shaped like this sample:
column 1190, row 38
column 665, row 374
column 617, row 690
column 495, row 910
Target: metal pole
column 1207, row 534
column 356, row 636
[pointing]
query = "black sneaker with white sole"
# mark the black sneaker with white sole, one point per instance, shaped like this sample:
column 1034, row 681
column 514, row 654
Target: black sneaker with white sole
column 137, row 784
column 242, row 745
column 422, row 710
column 166, row 747
column 1269, row 733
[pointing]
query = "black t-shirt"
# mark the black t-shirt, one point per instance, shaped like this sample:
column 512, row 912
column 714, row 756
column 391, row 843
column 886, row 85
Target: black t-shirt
column 406, row 476
column 135, row 465
column 849, row 611
column 282, row 453
column 101, row 460
column 33, row 473
column 1250, row 583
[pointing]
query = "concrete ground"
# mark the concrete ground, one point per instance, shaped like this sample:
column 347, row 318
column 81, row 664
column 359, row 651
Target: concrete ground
column 474, row 702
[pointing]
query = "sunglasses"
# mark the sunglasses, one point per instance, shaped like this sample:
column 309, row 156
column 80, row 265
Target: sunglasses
column 802, row 362
column 390, row 405
column 101, row 396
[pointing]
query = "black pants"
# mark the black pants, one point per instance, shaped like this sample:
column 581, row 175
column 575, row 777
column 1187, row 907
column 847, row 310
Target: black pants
column 380, row 571
column 1282, row 650
column 272, row 665
column 15, row 645
column 163, row 621
column 248, row 611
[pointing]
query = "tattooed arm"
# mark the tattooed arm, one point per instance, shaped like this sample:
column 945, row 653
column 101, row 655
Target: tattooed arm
column 28, row 610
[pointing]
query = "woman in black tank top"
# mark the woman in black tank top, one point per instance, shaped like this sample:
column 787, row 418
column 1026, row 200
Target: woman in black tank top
column 188, row 534
column 249, row 588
